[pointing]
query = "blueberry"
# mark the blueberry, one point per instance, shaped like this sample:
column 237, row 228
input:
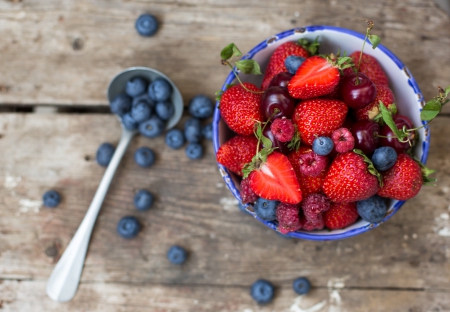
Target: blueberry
column 144, row 157
column 201, row 106
column 143, row 97
column 136, row 86
column 143, row 200
column 105, row 153
column 175, row 138
column 51, row 199
column 265, row 209
column 293, row 62
column 129, row 123
column 301, row 285
column 177, row 254
column 193, row 130
column 128, row 227
column 152, row 127
column 194, row 151
column 159, row 90
column 384, row 158
column 146, row 25
column 322, row 145
column 164, row 110
column 372, row 209
column 120, row 105
column 207, row 131
column 141, row 111
column 262, row 291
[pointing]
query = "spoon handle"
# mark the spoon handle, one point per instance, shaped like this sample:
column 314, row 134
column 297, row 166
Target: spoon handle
column 63, row 282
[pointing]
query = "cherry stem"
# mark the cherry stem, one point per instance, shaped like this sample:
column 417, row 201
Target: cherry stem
column 370, row 24
column 237, row 77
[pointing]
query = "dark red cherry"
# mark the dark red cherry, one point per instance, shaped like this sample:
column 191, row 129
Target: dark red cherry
column 357, row 90
column 366, row 133
column 282, row 147
column 276, row 103
column 390, row 139
column 281, row 80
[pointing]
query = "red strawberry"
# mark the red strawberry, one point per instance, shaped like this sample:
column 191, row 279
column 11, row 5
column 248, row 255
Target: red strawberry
column 275, row 179
column 315, row 77
column 308, row 184
column 403, row 181
column 385, row 95
column 370, row 67
column 319, row 117
column 276, row 62
column 239, row 108
column 340, row 215
column 348, row 179
column 237, row 152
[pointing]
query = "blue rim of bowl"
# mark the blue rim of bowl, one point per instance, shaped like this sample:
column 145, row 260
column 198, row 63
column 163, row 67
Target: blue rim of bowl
column 225, row 174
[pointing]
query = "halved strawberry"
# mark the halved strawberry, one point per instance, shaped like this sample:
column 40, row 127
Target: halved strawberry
column 237, row 152
column 275, row 179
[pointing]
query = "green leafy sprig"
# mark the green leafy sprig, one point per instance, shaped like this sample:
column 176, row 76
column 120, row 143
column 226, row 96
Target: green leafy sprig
column 434, row 106
column 374, row 40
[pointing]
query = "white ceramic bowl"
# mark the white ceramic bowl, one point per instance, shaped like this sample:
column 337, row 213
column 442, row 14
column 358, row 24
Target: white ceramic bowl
column 409, row 101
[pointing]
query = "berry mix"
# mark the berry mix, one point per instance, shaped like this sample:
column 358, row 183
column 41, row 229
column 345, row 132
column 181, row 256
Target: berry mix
column 320, row 144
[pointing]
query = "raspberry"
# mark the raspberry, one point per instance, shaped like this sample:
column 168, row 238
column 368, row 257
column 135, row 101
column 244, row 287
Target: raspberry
column 316, row 224
column 282, row 129
column 312, row 164
column 288, row 218
column 314, row 205
column 247, row 194
column 343, row 140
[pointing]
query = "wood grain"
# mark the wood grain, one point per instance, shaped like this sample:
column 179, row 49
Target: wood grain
column 228, row 250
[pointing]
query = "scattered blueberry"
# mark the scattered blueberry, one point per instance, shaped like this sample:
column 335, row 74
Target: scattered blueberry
column 372, row 209
column 322, row 146
column 146, row 25
column 105, row 153
column 128, row 122
column 164, row 110
column 152, row 127
column 143, row 200
column 201, row 106
column 143, row 97
column 177, row 254
column 293, row 62
column 51, row 199
column 144, row 157
column 120, row 105
column 141, row 111
column 136, row 86
column 384, row 158
column 194, row 151
column 128, row 227
column 265, row 209
column 175, row 138
column 262, row 291
column 207, row 131
column 301, row 285
column 193, row 130
column 159, row 90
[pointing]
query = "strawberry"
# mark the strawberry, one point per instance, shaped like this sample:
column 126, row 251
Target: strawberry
column 319, row 117
column 369, row 112
column 316, row 76
column 237, row 152
column 370, row 67
column 340, row 215
column 275, row 179
column 308, row 184
column 404, row 180
column 239, row 108
column 351, row 177
column 276, row 62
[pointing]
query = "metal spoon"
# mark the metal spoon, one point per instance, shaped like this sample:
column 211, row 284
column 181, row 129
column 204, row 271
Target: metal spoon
column 63, row 282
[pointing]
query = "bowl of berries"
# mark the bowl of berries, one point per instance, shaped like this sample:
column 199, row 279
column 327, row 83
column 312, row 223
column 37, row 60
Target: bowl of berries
column 318, row 137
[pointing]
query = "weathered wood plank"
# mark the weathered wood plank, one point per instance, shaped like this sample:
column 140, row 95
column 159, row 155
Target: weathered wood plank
column 67, row 52
column 194, row 209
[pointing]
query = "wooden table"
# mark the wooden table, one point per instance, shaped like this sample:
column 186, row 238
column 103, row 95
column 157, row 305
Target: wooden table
column 56, row 59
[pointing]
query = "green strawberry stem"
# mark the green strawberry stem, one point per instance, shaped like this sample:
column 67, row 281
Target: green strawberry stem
column 370, row 166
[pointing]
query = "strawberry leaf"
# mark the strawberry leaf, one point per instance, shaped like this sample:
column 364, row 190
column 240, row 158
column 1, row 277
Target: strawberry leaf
column 370, row 166
column 230, row 51
column 425, row 173
column 374, row 40
column 447, row 91
column 431, row 109
column 387, row 118
column 294, row 143
column 219, row 95
column 248, row 67
column 311, row 47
